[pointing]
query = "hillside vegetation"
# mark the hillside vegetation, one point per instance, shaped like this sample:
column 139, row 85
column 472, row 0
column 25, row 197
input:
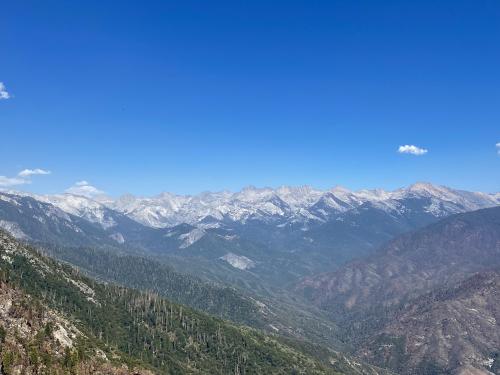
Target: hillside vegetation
column 138, row 329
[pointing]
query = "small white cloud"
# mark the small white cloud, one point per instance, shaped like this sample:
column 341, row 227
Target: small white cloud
column 85, row 189
column 12, row 181
column 22, row 178
column 498, row 148
column 31, row 172
column 413, row 150
column 4, row 94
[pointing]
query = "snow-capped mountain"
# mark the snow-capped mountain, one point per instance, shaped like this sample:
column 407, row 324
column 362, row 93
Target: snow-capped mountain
column 302, row 205
column 68, row 219
column 83, row 207
column 277, row 234
column 294, row 204
column 28, row 218
column 168, row 209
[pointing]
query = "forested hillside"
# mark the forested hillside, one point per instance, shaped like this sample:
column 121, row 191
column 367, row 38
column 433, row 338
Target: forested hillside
column 37, row 340
column 280, row 313
column 143, row 330
column 146, row 274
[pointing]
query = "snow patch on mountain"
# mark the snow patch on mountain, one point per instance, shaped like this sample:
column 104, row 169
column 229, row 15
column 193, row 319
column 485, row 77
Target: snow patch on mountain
column 14, row 229
column 81, row 206
column 294, row 204
column 9, row 199
column 281, row 206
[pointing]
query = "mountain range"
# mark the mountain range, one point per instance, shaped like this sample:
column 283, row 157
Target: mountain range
column 277, row 234
column 291, row 204
column 405, row 280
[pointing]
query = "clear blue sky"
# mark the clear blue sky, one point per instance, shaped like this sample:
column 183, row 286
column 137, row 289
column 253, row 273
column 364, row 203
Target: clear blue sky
column 183, row 96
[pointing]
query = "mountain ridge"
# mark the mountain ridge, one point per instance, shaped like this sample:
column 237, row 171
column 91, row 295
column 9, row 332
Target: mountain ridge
column 258, row 202
column 168, row 209
column 414, row 262
column 425, row 302
column 282, row 234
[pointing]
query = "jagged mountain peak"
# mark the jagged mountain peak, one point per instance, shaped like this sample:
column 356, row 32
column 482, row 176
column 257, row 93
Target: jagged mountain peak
column 424, row 185
column 428, row 189
column 339, row 189
column 81, row 206
column 292, row 203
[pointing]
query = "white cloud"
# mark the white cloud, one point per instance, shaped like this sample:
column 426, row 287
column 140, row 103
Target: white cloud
column 411, row 149
column 31, row 172
column 498, row 148
column 4, row 94
column 22, row 178
column 84, row 188
column 11, row 181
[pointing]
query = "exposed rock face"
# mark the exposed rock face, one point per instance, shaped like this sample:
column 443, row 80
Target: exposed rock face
column 35, row 340
column 240, row 262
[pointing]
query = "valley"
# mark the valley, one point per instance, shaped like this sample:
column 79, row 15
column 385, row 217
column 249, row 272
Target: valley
column 330, row 276
column 250, row 187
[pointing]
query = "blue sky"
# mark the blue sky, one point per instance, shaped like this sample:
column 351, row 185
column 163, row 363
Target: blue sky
column 187, row 96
